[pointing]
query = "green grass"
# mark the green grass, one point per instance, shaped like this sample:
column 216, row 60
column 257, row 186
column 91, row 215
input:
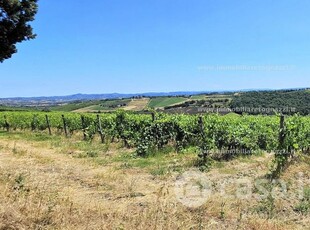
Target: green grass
column 3, row 133
column 158, row 164
column 160, row 102
column 74, row 106
column 12, row 108
column 219, row 96
column 91, row 105
column 161, row 163
column 304, row 206
column 20, row 135
column 198, row 97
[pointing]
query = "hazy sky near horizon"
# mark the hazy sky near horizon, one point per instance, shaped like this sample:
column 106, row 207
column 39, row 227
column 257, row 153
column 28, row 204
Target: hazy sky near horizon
column 105, row 46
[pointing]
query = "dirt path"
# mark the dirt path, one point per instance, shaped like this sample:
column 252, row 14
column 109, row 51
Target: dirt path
column 89, row 183
column 86, row 186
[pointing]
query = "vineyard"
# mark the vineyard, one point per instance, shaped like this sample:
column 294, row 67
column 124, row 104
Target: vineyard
column 115, row 170
column 149, row 133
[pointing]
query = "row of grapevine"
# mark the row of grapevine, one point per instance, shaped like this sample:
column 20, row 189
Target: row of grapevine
column 211, row 132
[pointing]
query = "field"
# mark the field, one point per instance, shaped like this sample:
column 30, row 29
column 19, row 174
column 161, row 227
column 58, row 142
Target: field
column 56, row 183
column 135, row 178
column 137, row 104
column 74, row 106
column 262, row 102
column 161, row 102
column 107, row 105
column 146, row 103
column 112, row 105
column 198, row 97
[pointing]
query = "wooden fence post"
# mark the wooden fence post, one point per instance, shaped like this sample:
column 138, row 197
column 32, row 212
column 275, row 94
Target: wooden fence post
column 48, row 125
column 204, row 150
column 100, row 128
column 201, row 126
column 65, row 125
column 281, row 156
column 281, row 133
column 83, row 127
column 7, row 125
column 34, row 122
column 153, row 117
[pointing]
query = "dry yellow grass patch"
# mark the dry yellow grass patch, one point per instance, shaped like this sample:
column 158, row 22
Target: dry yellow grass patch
column 42, row 188
column 137, row 104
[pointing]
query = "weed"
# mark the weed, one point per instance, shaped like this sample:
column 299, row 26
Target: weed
column 92, row 154
column 304, row 206
column 18, row 151
column 125, row 165
column 222, row 213
column 267, row 205
column 159, row 171
column 19, row 183
column 14, row 150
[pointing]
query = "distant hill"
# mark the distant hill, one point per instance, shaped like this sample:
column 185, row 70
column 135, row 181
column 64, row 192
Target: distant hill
column 32, row 101
column 288, row 101
column 49, row 100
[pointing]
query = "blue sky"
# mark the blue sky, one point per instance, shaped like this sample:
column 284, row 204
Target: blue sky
column 105, row 46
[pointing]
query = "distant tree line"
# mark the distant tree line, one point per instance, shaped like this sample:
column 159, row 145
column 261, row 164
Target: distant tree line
column 284, row 101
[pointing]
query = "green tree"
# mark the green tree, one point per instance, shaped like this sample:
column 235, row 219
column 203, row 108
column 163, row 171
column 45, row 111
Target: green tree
column 15, row 16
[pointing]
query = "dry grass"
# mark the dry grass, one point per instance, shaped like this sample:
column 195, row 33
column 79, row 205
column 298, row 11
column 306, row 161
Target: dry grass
column 137, row 104
column 44, row 185
column 133, row 105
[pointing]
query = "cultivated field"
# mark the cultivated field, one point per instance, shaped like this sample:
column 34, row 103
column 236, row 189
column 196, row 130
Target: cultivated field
column 162, row 102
